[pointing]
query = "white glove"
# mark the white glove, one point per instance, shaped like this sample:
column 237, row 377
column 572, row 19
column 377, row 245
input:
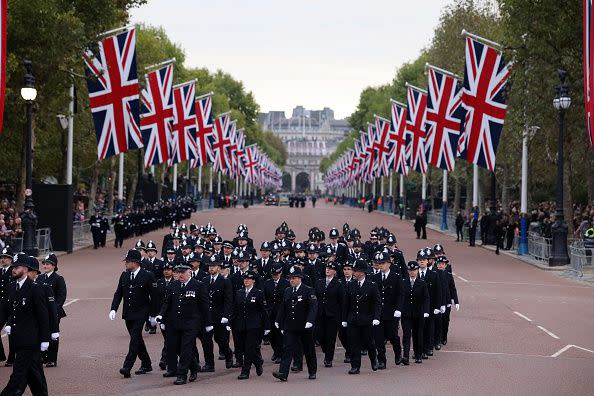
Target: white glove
column 397, row 314
column 266, row 332
column 162, row 326
column 442, row 309
column 44, row 346
column 152, row 321
column 158, row 318
column 449, row 305
column 457, row 307
column 344, row 324
column 112, row 315
column 55, row 336
column 209, row 329
column 228, row 328
column 282, row 332
column 308, row 325
column 375, row 322
column 7, row 329
column 276, row 325
column 224, row 320
column 435, row 311
column 452, row 301
column 425, row 315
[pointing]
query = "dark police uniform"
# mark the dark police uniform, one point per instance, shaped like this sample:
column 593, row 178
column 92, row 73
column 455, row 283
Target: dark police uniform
column 330, row 299
column 433, row 282
column 5, row 281
column 273, row 293
column 162, row 290
column 389, row 289
column 413, row 305
column 58, row 285
column 220, row 303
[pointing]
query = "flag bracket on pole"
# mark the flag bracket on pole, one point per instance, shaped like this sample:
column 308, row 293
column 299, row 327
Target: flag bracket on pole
column 484, row 40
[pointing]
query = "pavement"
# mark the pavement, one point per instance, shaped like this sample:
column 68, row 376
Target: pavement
column 519, row 331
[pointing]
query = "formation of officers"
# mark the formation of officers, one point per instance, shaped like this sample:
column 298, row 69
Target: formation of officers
column 31, row 307
column 294, row 296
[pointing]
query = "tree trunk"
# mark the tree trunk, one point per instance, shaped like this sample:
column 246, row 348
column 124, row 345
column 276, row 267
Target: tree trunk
column 93, row 189
column 110, row 184
column 504, row 193
column 20, row 193
column 131, row 190
column 468, row 189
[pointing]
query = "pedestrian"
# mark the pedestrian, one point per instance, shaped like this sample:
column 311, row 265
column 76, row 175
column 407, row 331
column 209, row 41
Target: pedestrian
column 137, row 289
column 52, row 279
column 418, row 224
column 330, row 294
column 459, row 225
column 472, row 230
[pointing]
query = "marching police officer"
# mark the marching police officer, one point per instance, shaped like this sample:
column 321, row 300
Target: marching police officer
column 431, row 278
column 184, row 312
column 25, row 313
column 52, row 279
column 274, row 290
column 361, row 311
column 99, row 227
column 296, row 318
column 151, row 262
column 250, row 322
column 137, row 288
column 330, row 294
column 452, row 298
column 6, row 255
column 413, row 307
column 162, row 290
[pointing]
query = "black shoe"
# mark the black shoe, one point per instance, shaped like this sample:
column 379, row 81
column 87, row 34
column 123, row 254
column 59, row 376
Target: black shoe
column 354, row 371
column 153, row 331
column 327, row 364
column 143, row 370
column 265, row 342
column 277, row 360
column 424, row 356
column 259, row 369
column 229, row 363
column 169, row 374
column 347, row 360
column 405, row 362
column 296, row 369
column 222, row 357
column 312, row 376
column 8, row 364
column 444, row 341
column 381, row 366
column 374, row 365
column 208, row 369
column 273, row 358
column 280, row 376
column 147, row 327
column 237, row 364
column 50, row 364
column 125, row 372
column 193, row 376
column 364, row 352
column 162, row 365
column 437, row 347
column 180, row 381
column 243, row 376
column 417, row 360
column 430, row 353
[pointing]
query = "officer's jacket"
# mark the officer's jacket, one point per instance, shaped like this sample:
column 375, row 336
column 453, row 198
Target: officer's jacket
column 263, row 271
column 297, row 308
column 156, row 267
column 52, row 310
column 443, row 285
column 330, row 298
column 249, row 312
column 139, row 296
column 162, row 290
column 316, row 267
column 434, row 286
column 362, row 304
column 26, row 311
column 186, row 308
column 220, row 298
column 5, row 281
column 58, row 286
column 237, row 281
column 389, row 291
column 413, row 302
column 452, row 291
column 274, row 295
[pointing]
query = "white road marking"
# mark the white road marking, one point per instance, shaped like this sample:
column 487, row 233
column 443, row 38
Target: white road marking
column 523, row 316
column 71, row 302
column 567, row 347
column 494, row 353
column 530, row 284
column 462, row 279
column 548, row 332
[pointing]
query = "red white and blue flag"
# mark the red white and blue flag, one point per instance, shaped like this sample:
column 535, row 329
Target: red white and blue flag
column 383, row 145
column 220, row 142
column 183, row 142
column 371, row 165
column 232, row 149
column 589, row 68
column 483, row 97
column 250, row 163
column 205, row 130
column 416, row 111
column 113, row 94
column 444, row 118
column 398, row 154
column 157, row 115
column 240, row 153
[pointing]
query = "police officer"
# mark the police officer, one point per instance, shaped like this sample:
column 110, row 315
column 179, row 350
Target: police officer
column 431, row 278
column 52, row 279
column 98, row 229
column 388, row 283
column 330, row 294
column 314, row 264
column 339, row 249
column 413, row 307
column 184, row 312
column 151, row 261
column 263, row 265
column 361, row 311
column 137, row 288
column 119, row 228
column 250, row 322
column 452, row 298
column 274, row 290
column 6, row 255
column 296, row 318
column 162, row 289
column 25, row 313
column 347, row 269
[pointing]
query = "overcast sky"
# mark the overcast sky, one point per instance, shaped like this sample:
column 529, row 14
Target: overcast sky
column 311, row 53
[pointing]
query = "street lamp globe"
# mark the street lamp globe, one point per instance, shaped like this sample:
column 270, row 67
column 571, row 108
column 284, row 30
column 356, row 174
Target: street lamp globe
column 28, row 93
column 565, row 102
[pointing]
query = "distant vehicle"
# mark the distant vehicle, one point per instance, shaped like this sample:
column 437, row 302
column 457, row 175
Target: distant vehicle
column 270, row 199
column 283, row 199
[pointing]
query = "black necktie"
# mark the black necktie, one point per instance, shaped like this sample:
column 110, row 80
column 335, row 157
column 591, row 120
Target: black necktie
column 423, row 275
column 183, row 286
column 132, row 277
column 383, row 277
column 212, row 280
column 294, row 290
column 18, row 286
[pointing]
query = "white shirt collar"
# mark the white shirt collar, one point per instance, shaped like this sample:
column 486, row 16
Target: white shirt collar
column 47, row 274
column 297, row 287
column 136, row 272
column 247, row 291
column 385, row 273
column 20, row 282
column 215, row 276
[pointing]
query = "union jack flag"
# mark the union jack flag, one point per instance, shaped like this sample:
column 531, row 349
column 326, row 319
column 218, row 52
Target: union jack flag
column 383, row 145
column 398, row 155
column 240, row 153
column 588, row 65
column 483, row 97
column 205, row 130
column 157, row 115
column 444, row 119
column 232, row 149
column 250, row 163
column 183, row 147
column 371, row 139
column 219, row 143
column 416, row 110
column 113, row 94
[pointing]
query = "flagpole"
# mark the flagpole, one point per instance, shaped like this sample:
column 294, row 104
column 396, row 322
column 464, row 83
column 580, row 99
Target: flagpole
column 373, row 189
column 210, row 189
column 174, row 195
column 199, row 192
column 401, row 193
column 121, row 178
column 423, row 192
column 381, row 180
column 160, row 64
column 479, row 38
column 116, row 30
column 70, row 149
column 390, row 198
column 475, row 192
column 219, row 184
column 444, row 200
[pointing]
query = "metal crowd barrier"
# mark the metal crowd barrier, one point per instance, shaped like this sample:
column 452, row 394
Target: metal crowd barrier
column 81, row 233
column 580, row 257
column 539, row 247
column 44, row 240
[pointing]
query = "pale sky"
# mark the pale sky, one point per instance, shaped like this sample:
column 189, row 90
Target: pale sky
column 312, row 53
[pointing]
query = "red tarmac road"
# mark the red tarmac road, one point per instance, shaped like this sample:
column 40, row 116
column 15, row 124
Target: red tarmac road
column 520, row 330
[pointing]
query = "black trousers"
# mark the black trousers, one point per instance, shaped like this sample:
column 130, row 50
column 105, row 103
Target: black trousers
column 437, row 325
column 472, row 236
column 428, row 330
column 249, row 342
column 424, row 229
column 96, row 238
column 387, row 330
column 326, row 331
column 52, row 352
column 344, row 340
column 414, row 327
column 445, row 324
column 361, row 337
column 2, row 354
column 237, row 350
column 276, row 341
column 459, row 233
column 291, row 342
column 221, row 337
column 181, row 342
column 164, row 350
column 136, row 348
column 26, row 371
column 119, row 238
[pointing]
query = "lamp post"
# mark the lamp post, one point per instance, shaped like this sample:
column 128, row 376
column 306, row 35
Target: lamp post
column 138, row 199
column 28, row 217
column 559, row 254
column 523, row 245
